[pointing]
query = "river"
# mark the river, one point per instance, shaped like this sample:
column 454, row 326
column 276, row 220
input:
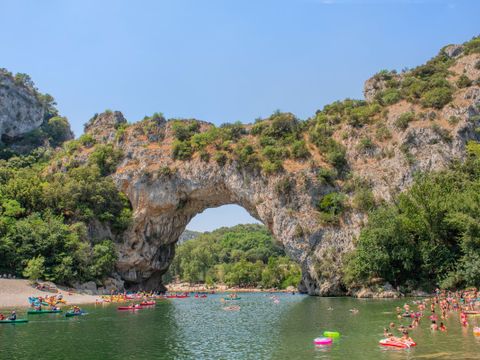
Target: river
column 196, row 328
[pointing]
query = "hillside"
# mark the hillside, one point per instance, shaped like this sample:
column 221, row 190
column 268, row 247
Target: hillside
column 241, row 255
column 188, row 235
column 313, row 182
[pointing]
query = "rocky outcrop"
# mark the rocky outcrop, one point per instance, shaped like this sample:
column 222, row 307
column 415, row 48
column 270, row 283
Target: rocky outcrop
column 20, row 110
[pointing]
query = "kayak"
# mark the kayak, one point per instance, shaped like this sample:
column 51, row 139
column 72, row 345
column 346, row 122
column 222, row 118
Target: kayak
column 396, row 343
column 148, row 303
column 472, row 312
column 129, row 308
column 177, row 296
column 71, row 313
column 227, row 298
column 30, row 312
column 13, row 321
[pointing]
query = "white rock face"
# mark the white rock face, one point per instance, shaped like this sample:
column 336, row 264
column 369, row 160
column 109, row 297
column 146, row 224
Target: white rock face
column 20, row 111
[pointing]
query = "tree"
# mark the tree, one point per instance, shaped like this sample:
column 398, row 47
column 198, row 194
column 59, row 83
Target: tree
column 35, row 268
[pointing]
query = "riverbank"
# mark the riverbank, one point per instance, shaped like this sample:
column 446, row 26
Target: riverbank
column 186, row 287
column 15, row 293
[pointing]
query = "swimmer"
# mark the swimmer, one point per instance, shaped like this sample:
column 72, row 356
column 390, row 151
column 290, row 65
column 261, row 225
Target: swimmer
column 443, row 327
column 434, row 326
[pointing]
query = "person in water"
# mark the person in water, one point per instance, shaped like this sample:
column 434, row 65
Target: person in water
column 434, row 326
column 405, row 338
column 13, row 316
column 443, row 327
column 2, row 317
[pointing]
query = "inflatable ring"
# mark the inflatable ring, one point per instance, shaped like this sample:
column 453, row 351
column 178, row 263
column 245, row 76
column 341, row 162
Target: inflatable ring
column 331, row 334
column 322, row 341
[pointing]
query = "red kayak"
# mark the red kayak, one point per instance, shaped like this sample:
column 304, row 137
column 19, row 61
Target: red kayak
column 397, row 343
column 177, row 296
column 472, row 312
column 148, row 303
column 129, row 307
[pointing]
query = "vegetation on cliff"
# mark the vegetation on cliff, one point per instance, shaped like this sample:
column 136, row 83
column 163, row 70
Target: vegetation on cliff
column 429, row 236
column 243, row 255
column 46, row 212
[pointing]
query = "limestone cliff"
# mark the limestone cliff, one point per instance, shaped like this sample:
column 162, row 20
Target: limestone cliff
column 20, row 109
column 170, row 176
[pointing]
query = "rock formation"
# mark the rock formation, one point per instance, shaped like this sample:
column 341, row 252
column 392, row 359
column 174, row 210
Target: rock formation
column 20, row 109
column 167, row 192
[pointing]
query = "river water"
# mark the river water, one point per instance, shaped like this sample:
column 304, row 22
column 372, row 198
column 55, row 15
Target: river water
column 197, row 328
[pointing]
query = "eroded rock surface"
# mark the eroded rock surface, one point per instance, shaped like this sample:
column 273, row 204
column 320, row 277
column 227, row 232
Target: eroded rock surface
column 20, row 110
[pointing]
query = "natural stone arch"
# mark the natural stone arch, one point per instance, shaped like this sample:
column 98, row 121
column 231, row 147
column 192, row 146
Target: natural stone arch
column 165, row 203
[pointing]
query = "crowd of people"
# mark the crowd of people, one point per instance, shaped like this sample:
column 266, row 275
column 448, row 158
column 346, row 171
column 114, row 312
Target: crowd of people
column 448, row 303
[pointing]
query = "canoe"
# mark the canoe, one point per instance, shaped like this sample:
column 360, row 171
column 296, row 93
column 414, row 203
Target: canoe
column 227, row 298
column 71, row 313
column 121, row 308
column 148, row 303
column 30, row 312
column 13, row 321
column 398, row 344
column 177, row 296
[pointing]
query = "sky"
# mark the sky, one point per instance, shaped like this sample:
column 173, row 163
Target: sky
column 219, row 60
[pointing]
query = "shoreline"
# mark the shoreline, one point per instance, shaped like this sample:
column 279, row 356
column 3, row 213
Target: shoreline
column 14, row 294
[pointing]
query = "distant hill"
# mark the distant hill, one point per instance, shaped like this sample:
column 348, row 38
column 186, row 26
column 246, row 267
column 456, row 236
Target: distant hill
column 188, row 235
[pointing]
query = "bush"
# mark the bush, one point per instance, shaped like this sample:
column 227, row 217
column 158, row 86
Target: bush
column 220, row 157
column 183, row 129
column 181, row 150
column 364, row 200
column 463, row 81
column 275, row 153
column 477, row 65
column 404, row 119
column 390, row 96
column 472, row 46
column 437, row 97
column 326, row 176
column 442, row 133
column 382, row 133
column 299, row 150
column 271, row 167
column 106, row 157
column 331, row 206
column 365, row 144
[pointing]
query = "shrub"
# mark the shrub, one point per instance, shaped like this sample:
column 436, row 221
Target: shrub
column 472, row 46
column 204, row 156
column 184, row 130
column 390, row 96
column 404, row 119
column 274, row 153
column 181, row 150
column 364, row 200
column 442, row 133
column 477, row 65
column 331, row 206
column 106, row 157
column 220, row 157
column 299, row 150
column 86, row 140
column 437, row 97
column 326, row 176
column 464, row 81
column 365, row 144
column 382, row 133
column 270, row 167
column 165, row 171
column 453, row 120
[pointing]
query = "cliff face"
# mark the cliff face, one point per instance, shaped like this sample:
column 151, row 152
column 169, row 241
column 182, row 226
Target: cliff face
column 166, row 193
column 20, row 110
column 398, row 140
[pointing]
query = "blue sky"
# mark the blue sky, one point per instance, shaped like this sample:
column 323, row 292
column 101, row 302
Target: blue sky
column 219, row 61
